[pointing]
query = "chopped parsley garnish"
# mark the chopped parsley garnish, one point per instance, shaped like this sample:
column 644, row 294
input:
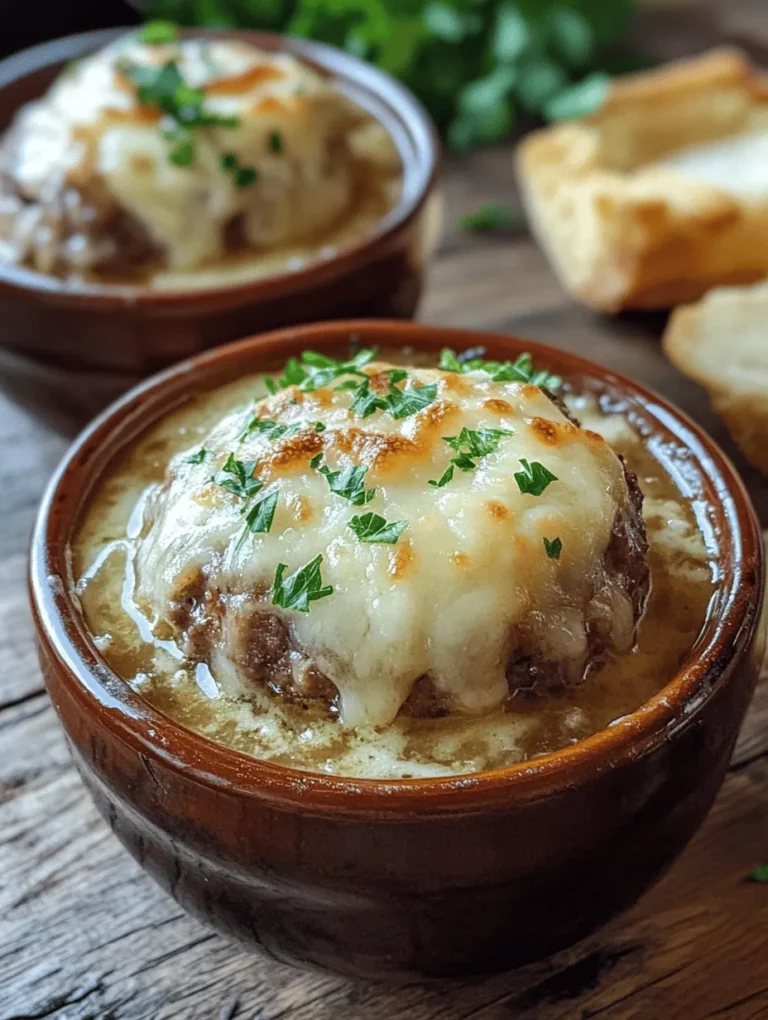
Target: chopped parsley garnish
column 159, row 32
column 271, row 385
column 403, row 403
column 259, row 518
column 490, row 216
column 275, row 430
column 240, row 481
column 449, row 361
column 275, row 142
column 372, row 528
column 301, row 588
column 197, row 458
column 553, row 547
column 348, row 483
column 470, row 444
column 520, row 370
column 271, row 429
column 165, row 89
column 534, row 478
column 315, row 462
column 314, row 370
column 399, row 403
column 759, row 874
column 444, row 478
column 478, row 443
column 183, row 154
column 366, row 401
column 243, row 176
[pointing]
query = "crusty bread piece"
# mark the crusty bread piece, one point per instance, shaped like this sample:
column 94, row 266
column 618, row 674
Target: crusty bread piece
column 722, row 343
column 624, row 227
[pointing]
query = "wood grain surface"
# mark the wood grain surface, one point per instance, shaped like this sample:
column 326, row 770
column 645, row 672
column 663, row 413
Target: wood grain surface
column 84, row 933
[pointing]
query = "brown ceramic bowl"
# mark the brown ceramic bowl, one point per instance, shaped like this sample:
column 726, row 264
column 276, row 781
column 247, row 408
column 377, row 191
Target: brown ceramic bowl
column 393, row 879
column 66, row 350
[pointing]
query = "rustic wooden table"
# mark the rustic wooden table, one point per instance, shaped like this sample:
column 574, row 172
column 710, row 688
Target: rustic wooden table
column 84, row 933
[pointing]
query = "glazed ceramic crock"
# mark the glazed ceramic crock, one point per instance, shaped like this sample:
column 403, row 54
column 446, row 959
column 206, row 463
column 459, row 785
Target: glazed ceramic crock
column 394, row 879
column 67, row 349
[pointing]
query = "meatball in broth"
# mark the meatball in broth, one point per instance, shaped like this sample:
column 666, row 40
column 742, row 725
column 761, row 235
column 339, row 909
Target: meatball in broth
column 389, row 570
column 469, row 540
column 189, row 162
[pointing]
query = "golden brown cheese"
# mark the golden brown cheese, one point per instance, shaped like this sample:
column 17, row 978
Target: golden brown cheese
column 469, row 571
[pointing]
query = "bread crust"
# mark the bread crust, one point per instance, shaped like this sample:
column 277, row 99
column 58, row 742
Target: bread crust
column 621, row 229
column 721, row 342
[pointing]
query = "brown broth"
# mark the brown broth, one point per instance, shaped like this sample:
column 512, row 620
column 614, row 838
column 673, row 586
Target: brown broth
column 304, row 737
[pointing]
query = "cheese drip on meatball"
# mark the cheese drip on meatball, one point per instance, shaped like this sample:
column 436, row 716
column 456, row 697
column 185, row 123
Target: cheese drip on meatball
column 89, row 180
column 490, row 588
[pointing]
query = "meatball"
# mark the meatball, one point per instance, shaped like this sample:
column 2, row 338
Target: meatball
column 590, row 610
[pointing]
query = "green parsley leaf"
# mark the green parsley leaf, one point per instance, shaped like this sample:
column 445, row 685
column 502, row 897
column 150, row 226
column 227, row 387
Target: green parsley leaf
column 470, row 444
column 404, row 403
column 316, row 370
column 159, row 32
column 241, row 483
column 273, row 430
column 520, row 370
column 320, row 426
column 301, row 588
column 372, row 528
column 271, row 385
column 490, row 216
column 478, row 443
column 275, row 142
column 759, row 874
column 165, row 89
column 259, row 518
column 349, row 483
column 553, row 547
column 534, row 478
column 315, row 462
column 318, row 360
column 446, row 476
column 183, row 154
column 245, row 176
column 449, row 361
column 197, row 458
column 366, row 401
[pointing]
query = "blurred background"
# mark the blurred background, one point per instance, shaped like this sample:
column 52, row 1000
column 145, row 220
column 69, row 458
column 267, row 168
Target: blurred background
column 483, row 68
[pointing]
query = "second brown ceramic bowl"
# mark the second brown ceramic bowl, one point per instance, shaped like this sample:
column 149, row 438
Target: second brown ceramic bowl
column 394, row 879
column 67, row 349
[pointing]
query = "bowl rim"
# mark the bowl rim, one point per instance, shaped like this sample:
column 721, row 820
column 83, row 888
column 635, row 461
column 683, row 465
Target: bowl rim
column 392, row 97
column 721, row 645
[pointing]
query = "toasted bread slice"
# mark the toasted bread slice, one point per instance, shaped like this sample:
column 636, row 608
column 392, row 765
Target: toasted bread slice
column 661, row 194
column 722, row 343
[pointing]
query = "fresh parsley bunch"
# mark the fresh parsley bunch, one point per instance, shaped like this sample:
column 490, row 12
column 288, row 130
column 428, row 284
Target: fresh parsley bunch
column 475, row 64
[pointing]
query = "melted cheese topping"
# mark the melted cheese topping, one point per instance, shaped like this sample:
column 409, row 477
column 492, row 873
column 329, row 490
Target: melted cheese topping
column 468, row 570
column 737, row 165
column 90, row 133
